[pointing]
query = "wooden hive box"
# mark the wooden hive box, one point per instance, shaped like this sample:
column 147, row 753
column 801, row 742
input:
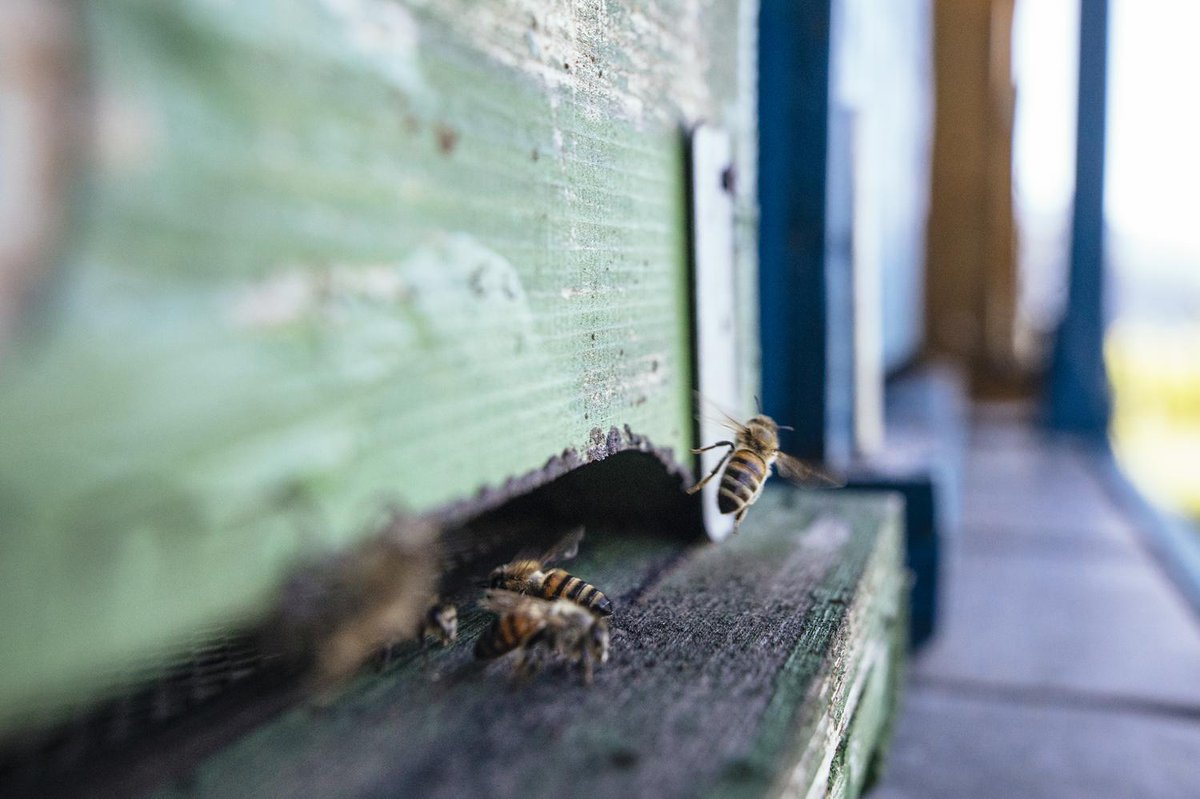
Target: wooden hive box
column 290, row 266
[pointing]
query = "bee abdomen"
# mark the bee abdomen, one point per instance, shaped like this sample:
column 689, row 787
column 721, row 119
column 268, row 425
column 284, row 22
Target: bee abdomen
column 741, row 480
column 560, row 584
column 601, row 604
column 491, row 644
column 506, row 634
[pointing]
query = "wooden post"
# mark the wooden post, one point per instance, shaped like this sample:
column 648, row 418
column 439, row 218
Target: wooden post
column 971, row 272
column 1079, row 399
column 794, row 46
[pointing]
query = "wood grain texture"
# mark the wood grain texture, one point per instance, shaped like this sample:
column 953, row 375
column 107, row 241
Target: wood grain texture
column 328, row 257
column 762, row 666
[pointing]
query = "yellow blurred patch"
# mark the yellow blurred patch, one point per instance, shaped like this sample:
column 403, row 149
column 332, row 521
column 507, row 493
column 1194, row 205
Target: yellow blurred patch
column 1155, row 372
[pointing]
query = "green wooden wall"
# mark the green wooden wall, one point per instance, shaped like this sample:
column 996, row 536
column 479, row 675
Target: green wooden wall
column 329, row 256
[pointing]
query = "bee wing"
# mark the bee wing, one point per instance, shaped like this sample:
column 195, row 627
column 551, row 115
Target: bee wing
column 804, row 474
column 565, row 549
column 501, row 602
column 717, row 414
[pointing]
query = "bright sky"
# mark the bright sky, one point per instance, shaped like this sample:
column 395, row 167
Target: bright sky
column 1045, row 59
column 1153, row 182
column 1152, row 194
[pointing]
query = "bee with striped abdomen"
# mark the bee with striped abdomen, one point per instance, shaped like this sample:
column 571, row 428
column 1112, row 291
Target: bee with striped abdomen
column 534, row 626
column 747, row 464
column 529, row 575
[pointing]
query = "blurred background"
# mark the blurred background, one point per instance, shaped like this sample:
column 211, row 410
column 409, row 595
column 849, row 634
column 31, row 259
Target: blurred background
column 1151, row 247
column 1063, row 168
column 1151, row 346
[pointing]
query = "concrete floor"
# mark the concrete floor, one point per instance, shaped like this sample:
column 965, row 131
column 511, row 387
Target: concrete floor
column 1066, row 663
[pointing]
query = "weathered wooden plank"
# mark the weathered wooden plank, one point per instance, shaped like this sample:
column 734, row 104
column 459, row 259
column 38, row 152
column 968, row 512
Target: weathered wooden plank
column 823, row 720
column 329, row 256
column 758, row 667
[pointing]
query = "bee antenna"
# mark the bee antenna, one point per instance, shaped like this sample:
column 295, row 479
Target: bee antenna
column 757, row 403
column 786, row 427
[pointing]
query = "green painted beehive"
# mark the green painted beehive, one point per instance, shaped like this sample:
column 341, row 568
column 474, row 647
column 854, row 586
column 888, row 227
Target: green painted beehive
column 323, row 258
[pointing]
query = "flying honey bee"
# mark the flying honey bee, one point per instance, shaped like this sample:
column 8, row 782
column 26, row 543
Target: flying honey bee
column 533, row 625
column 747, row 464
column 441, row 622
column 337, row 612
column 529, row 575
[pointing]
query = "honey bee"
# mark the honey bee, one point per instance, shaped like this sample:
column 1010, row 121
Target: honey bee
column 338, row 612
column 533, row 625
column 528, row 575
column 441, row 622
column 747, row 464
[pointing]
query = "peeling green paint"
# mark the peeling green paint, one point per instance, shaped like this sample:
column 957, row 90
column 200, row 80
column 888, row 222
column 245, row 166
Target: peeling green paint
column 327, row 256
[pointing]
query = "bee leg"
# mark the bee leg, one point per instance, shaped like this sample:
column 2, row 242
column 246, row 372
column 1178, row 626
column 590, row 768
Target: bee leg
column 713, row 446
column 385, row 657
column 527, row 665
column 737, row 520
column 585, row 666
column 447, row 626
column 715, row 471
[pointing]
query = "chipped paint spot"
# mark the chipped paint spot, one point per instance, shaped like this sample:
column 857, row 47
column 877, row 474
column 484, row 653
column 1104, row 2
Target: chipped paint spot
column 295, row 295
column 566, row 47
column 128, row 135
column 575, row 292
column 279, row 300
column 388, row 37
column 450, row 271
column 447, row 139
column 535, row 49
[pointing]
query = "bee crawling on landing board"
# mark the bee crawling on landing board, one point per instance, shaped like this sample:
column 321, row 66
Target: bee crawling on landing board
column 747, row 464
column 338, row 611
column 534, row 626
column 529, row 575
column 439, row 621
